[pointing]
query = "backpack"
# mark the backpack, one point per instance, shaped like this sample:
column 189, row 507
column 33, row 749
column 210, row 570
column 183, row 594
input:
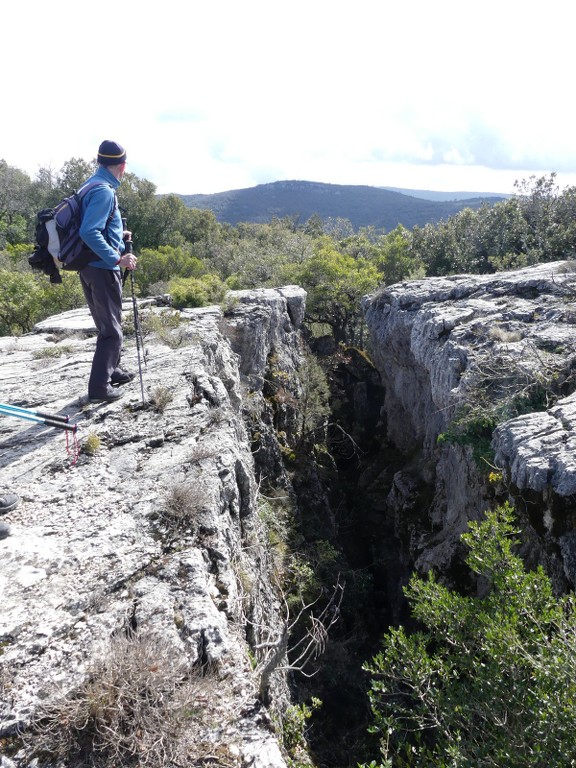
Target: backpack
column 58, row 243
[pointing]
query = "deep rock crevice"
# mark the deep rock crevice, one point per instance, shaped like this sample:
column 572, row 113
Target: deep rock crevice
column 177, row 525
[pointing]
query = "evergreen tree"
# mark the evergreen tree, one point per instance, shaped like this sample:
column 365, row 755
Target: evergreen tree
column 488, row 681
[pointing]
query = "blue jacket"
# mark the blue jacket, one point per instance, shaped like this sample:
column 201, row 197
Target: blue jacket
column 101, row 227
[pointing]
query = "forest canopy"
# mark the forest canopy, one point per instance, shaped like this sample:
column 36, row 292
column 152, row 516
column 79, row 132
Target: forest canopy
column 189, row 254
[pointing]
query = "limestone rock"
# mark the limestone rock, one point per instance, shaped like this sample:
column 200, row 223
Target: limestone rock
column 155, row 531
column 437, row 342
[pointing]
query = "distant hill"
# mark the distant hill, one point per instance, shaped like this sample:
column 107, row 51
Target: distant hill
column 429, row 194
column 361, row 205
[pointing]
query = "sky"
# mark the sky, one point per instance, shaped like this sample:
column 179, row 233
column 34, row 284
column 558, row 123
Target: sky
column 226, row 94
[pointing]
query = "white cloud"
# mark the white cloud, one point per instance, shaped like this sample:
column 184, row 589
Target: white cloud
column 220, row 95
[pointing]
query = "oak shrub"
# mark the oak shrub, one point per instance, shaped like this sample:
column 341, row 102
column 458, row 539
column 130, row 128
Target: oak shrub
column 487, row 680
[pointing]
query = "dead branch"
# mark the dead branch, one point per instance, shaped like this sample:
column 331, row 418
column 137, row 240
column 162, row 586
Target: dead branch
column 279, row 656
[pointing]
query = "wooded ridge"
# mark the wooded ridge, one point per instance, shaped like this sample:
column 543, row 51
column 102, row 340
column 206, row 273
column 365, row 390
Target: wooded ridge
column 362, row 205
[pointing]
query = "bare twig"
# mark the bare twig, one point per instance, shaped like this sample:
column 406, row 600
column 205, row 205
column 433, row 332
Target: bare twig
column 279, row 656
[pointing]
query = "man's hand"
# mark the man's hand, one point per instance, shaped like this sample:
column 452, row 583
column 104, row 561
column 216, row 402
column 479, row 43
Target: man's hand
column 128, row 260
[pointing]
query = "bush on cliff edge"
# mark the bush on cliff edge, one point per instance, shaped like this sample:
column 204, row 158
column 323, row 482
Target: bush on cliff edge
column 488, row 680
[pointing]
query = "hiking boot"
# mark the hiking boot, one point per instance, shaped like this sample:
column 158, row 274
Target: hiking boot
column 4, row 530
column 110, row 396
column 120, row 377
column 8, row 501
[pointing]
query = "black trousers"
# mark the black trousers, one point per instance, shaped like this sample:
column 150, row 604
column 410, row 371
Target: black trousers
column 103, row 291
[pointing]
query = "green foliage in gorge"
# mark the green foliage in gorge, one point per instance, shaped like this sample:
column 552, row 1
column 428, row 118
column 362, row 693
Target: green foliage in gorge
column 487, row 681
column 335, row 283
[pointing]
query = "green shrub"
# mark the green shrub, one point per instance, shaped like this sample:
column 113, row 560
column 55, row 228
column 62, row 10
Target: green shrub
column 197, row 292
column 294, row 724
column 487, row 681
column 91, row 444
column 474, row 430
column 27, row 298
column 166, row 263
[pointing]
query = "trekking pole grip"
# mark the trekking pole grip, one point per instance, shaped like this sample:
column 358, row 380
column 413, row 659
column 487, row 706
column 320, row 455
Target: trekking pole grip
column 128, row 248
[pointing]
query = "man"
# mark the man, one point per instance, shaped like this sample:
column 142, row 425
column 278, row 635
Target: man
column 8, row 502
column 102, row 231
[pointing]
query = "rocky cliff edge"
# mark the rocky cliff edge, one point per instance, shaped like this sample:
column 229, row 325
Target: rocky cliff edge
column 151, row 530
column 471, row 359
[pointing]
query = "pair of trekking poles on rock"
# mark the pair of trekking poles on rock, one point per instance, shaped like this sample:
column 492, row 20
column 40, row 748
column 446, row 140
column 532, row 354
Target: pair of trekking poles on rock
column 129, row 248
column 49, row 420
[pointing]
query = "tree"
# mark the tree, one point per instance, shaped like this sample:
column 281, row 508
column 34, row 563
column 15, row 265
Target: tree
column 45, row 190
column 198, row 226
column 396, row 259
column 257, row 255
column 164, row 264
column 503, row 229
column 26, row 299
column 73, row 174
column 165, row 226
column 137, row 200
column 549, row 218
column 15, row 204
column 453, row 246
column 19, row 302
column 335, row 283
column 489, row 681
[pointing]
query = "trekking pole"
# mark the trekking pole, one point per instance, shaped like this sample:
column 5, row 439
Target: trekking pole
column 60, row 422
column 52, row 416
column 138, row 332
column 128, row 248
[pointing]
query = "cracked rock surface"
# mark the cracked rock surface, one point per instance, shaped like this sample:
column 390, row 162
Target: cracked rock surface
column 145, row 520
column 445, row 344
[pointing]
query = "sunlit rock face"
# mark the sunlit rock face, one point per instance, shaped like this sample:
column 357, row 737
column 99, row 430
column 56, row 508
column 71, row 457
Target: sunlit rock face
column 450, row 349
column 144, row 522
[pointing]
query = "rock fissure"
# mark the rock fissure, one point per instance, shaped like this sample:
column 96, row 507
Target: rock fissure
column 510, row 350
column 253, row 474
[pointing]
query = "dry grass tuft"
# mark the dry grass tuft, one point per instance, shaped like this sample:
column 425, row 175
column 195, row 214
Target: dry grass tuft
column 183, row 503
column 131, row 710
column 501, row 334
column 160, row 398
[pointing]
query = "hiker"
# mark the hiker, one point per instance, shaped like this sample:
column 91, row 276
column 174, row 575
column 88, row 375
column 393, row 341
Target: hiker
column 104, row 234
column 8, row 502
